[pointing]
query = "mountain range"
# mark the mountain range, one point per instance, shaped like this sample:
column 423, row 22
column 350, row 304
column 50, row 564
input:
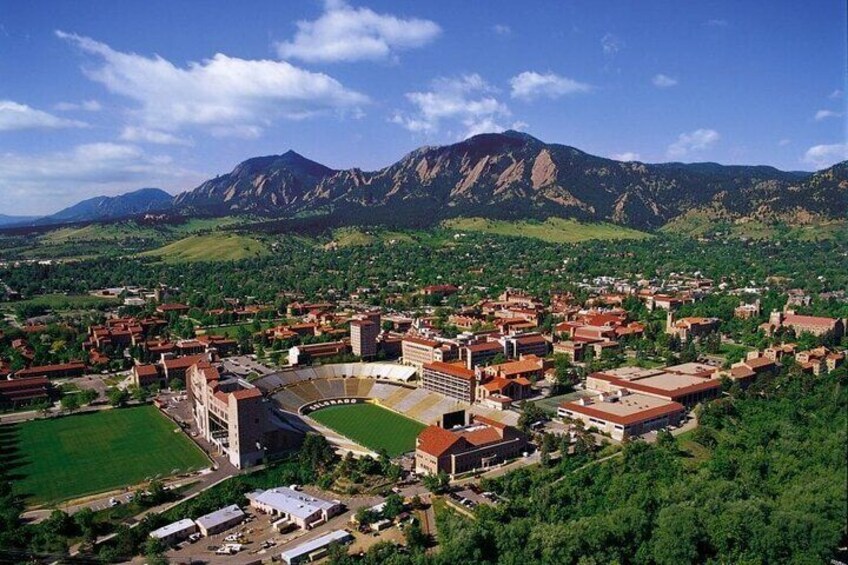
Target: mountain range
column 506, row 175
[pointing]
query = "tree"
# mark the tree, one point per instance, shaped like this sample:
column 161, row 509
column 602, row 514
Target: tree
column 154, row 551
column 176, row 385
column 416, row 539
column 88, row 396
column 393, row 506
column 365, row 516
column 437, row 483
column 530, row 414
column 70, row 403
column 117, row 397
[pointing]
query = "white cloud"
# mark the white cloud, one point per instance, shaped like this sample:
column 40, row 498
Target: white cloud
column 502, row 29
column 14, row 116
column 530, row 84
column 717, row 23
column 822, row 115
column 611, row 44
column 697, row 140
column 44, row 183
column 663, row 81
column 141, row 134
column 626, row 156
column 345, row 33
column 836, row 94
column 85, row 105
column 222, row 94
column 821, row 156
column 784, row 142
column 468, row 100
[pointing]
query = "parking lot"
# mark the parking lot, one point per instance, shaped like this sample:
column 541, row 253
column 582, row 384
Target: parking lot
column 260, row 542
column 243, row 365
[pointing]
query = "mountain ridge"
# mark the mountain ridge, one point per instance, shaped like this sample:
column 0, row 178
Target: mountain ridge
column 514, row 174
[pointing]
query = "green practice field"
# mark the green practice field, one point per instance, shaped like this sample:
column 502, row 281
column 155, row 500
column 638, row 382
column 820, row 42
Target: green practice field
column 371, row 426
column 63, row 458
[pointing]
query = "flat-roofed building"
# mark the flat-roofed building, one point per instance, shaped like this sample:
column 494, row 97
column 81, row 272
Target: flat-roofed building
column 684, row 384
column 450, row 379
column 297, row 507
column 526, row 344
column 363, row 338
column 479, row 445
column 483, row 353
column 622, row 414
column 175, row 531
column 220, row 520
column 315, row 549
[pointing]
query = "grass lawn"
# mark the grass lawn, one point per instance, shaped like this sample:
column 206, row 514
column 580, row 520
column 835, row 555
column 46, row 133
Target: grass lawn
column 553, row 230
column 371, row 426
column 64, row 458
column 209, row 247
column 58, row 302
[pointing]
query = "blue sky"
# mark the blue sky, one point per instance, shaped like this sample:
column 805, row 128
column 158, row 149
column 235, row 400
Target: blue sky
column 102, row 97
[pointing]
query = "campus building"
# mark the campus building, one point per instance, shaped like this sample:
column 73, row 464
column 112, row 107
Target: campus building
column 230, row 414
column 479, row 445
column 299, row 508
column 363, row 338
column 417, row 351
column 815, row 325
column 23, row 392
column 688, row 383
column 450, row 379
column 58, row 371
column 623, row 414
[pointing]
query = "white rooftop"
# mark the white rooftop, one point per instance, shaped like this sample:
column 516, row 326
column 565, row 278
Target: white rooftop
column 292, row 502
column 292, row 554
column 179, row 526
column 221, row 516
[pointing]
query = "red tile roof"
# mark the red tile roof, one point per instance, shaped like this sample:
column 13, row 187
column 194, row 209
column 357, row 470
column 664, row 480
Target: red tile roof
column 451, row 369
column 436, row 441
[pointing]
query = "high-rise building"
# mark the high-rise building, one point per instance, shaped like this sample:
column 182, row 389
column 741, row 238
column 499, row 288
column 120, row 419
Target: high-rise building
column 363, row 338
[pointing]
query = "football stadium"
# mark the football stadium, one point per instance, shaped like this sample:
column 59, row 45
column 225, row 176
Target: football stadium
column 365, row 405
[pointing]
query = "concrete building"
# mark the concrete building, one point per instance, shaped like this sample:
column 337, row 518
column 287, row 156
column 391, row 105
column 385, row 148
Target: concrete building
column 623, row 414
column 230, row 414
column 299, row 508
column 451, row 380
column 479, row 445
column 175, row 532
column 363, row 338
column 220, row 520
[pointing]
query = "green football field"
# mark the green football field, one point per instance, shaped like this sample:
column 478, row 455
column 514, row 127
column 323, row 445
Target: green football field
column 371, row 426
column 64, row 458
